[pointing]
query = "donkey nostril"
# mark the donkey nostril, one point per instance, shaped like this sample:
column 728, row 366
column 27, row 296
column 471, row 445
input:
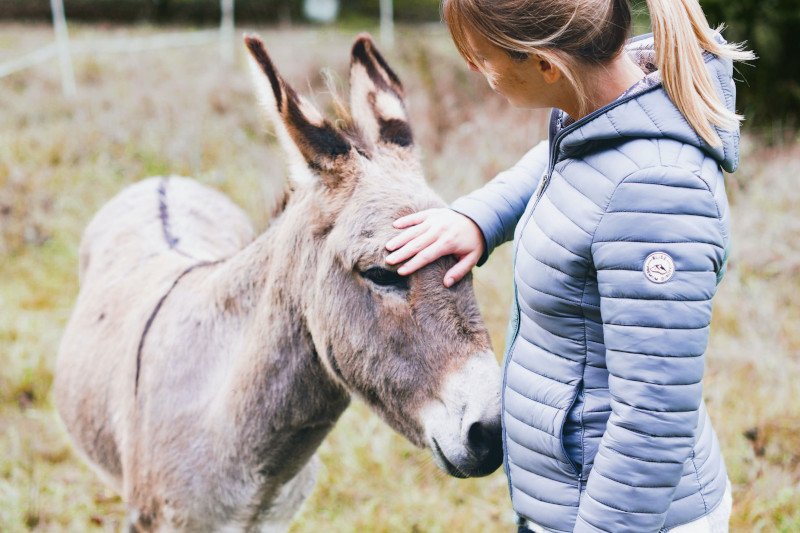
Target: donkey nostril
column 475, row 435
column 483, row 439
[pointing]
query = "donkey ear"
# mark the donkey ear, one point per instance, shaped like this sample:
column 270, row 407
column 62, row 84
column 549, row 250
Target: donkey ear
column 315, row 146
column 377, row 99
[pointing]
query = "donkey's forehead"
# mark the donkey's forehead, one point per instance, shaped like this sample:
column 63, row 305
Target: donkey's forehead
column 374, row 205
column 390, row 196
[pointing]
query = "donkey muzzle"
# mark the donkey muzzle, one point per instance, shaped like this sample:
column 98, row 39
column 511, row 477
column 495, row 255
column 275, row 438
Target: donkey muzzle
column 463, row 426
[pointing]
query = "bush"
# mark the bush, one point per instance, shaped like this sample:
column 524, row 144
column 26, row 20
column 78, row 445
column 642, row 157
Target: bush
column 769, row 91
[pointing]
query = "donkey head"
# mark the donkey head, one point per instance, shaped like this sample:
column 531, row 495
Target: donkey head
column 415, row 351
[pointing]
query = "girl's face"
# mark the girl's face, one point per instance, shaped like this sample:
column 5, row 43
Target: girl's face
column 523, row 83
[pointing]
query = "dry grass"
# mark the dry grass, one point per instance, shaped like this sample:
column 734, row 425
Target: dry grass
column 180, row 111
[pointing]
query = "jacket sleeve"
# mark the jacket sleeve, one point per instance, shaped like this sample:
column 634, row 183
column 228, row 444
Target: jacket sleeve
column 655, row 329
column 497, row 206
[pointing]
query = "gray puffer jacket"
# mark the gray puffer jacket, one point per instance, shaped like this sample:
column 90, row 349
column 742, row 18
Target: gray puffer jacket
column 617, row 254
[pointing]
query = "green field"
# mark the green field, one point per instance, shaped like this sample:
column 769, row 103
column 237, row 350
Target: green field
column 182, row 111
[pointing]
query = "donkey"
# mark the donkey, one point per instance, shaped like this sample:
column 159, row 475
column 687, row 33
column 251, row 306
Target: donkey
column 201, row 368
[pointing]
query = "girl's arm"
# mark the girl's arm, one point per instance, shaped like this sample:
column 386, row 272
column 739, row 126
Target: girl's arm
column 658, row 251
column 474, row 225
column 497, row 206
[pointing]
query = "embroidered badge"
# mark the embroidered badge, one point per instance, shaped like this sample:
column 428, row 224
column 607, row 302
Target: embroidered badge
column 659, row 267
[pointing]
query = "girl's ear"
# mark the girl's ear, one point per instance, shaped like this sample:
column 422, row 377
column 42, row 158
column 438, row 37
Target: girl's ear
column 549, row 71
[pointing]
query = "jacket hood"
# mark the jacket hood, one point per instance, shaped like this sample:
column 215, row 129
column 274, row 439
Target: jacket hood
column 647, row 112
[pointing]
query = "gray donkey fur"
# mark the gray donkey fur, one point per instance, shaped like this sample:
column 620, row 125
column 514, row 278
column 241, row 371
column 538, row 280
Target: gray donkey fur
column 201, row 368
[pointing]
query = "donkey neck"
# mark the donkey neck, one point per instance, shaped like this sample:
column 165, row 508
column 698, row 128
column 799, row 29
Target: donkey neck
column 279, row 401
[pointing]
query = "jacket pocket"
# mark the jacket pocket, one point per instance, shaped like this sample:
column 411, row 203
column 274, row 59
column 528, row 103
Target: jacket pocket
column 571, row 433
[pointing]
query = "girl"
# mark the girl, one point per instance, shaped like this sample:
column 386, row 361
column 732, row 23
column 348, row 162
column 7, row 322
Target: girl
column 620, row 229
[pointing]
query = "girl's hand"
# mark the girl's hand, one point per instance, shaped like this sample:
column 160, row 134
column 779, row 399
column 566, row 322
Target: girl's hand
column 434, row 233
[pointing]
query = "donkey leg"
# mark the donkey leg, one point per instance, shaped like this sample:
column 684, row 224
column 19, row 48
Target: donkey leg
column 290, row 498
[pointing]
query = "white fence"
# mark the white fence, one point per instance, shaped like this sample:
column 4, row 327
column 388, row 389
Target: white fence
column 63, row 49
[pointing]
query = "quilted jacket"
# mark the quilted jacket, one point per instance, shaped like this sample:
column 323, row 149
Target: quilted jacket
column 620, row 228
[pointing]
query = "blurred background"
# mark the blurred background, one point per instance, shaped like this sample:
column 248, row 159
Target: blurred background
column 133, row 88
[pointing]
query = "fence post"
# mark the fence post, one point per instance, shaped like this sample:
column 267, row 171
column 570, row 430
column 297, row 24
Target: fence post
column 226, row 31
column 62, row 41
column 387, row 23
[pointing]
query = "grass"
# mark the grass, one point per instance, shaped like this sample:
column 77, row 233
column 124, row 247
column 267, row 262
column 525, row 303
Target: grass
column 181, row 111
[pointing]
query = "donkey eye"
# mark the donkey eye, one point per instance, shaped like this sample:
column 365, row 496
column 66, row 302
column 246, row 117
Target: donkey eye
column 385, row 278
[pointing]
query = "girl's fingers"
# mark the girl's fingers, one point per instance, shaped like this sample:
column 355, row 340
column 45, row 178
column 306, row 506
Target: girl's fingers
column 401, row 240
column 427, row 255
column 412, row 248
column 410, row 220
column 460, row 269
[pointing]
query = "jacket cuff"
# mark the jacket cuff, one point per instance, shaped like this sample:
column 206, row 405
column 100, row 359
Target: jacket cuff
column 484, row 218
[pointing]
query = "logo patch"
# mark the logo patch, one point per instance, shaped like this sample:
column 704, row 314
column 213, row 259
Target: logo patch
column 659, row 267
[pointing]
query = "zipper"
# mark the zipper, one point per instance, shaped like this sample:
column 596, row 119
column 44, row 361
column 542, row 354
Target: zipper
column 515, row 321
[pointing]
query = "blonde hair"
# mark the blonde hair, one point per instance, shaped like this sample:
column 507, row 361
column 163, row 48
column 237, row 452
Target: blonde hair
column 573, row 33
